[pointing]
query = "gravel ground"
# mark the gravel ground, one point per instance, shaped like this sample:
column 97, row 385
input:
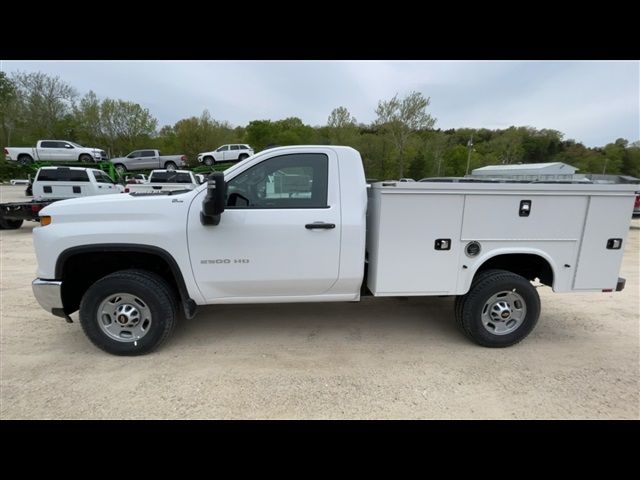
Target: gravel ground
column 380, row 358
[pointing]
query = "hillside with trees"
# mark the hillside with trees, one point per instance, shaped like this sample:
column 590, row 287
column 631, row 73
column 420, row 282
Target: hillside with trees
column 403, row 141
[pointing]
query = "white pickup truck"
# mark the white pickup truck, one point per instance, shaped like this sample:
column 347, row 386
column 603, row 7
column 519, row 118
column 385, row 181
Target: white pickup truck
column 54, row 151
column 165, row 181
column 300, row 224
column 52, row 184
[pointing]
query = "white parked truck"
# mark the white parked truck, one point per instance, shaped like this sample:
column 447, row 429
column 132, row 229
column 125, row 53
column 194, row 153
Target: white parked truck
column 166, row 181
column 52, row 184
column 298, row 224
column 54, row 151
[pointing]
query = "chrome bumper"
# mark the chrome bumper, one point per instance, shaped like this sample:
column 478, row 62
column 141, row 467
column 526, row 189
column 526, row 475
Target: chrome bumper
column 49, row 295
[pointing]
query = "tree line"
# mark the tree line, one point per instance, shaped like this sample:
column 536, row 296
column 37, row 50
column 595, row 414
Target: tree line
column 402, row 141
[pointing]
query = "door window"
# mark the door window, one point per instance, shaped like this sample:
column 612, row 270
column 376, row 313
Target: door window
column 286, row 181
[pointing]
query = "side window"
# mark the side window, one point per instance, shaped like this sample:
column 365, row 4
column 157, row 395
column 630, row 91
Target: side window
column 147, row 153
column 48, row 145
column 235, row 147
column 286, row 181
column 223, row 149
column 135, row 154
column 63, row 145
column 102, row 177
column 78, row 176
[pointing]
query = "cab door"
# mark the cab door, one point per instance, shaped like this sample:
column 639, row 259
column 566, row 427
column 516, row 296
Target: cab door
column 279, row 235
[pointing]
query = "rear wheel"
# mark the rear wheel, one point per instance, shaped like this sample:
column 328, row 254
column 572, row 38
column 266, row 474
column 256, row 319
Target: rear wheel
column 130, row 312
column 500, row 310
column 85, row 158
column 242, row 157
column 170, row 166
column 121, row 169
column 25, row 159
column 6, row 224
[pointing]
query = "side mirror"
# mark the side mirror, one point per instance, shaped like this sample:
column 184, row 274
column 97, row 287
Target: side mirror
column 213, row 203
column 66, row 145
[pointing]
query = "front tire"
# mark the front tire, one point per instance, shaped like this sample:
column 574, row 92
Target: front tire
column 84, row 158
column 208, row 161
column 130, row 312
column 500, row 309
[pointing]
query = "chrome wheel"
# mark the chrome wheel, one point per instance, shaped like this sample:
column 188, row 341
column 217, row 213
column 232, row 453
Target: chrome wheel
column 120, row 169
column 124, row 317
column 170, row 167
column 208, row 161
column 504, row 312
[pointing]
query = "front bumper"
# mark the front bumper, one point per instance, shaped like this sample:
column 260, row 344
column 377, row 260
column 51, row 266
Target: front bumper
column 48, row 293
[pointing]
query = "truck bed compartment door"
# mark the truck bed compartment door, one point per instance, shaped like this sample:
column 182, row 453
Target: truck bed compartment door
column 603, row 243
column 417, row 246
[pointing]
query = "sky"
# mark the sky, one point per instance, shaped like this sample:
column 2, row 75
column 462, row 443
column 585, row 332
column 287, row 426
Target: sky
column 593, row 102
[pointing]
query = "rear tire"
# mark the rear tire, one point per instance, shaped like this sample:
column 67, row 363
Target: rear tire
column 208, row 161
column 242, row 157
column 25, row 159
column 500, row 310
column 459, row 303
column 84, row 158
column 130, row 312
column 6, row 224
column 170, row 166
column 121, row 169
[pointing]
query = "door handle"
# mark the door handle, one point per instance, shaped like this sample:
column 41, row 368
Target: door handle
column 320, row 225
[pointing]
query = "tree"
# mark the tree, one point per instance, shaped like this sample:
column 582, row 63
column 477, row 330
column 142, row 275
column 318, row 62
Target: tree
column 400, row 118
column 125, row 125
column 343, row 127
column 43, row 102
column 8, row 108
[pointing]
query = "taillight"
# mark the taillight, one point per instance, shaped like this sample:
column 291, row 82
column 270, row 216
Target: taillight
column 183, row 158
column 35, row 208
column 636, row 205
column 126, row 190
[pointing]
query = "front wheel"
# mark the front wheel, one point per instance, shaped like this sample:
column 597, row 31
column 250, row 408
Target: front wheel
column 500, row 309
column 170, row 166
column 130, row 312
column 84, row 158
column 208, row 161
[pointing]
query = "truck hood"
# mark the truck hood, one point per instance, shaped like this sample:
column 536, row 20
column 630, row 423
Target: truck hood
column 117, row 203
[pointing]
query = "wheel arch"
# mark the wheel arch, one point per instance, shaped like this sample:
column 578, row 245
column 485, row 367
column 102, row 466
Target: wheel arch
column 529, row 263
column 92, row 262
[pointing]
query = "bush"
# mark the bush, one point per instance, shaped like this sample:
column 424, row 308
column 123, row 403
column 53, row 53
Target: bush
column 10, row 170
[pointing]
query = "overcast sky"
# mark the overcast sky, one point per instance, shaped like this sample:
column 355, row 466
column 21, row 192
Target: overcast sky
column 592, row 102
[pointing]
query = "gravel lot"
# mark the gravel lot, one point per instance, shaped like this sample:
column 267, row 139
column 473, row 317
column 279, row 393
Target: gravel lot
column 380, row 358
